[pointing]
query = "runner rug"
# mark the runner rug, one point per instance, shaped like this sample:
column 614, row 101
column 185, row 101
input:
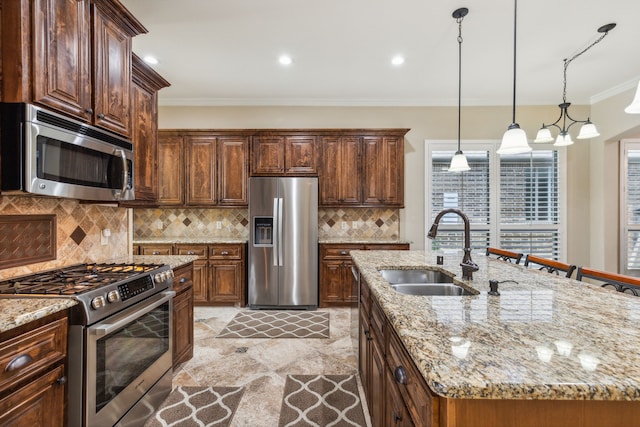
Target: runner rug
column 197, row 406
column 278, row 324
column 321, row 400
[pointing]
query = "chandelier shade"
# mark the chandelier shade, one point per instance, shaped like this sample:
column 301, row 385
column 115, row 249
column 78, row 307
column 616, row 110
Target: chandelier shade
column 459, row 161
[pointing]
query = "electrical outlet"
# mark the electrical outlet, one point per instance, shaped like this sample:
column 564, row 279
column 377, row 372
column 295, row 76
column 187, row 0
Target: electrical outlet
column 104, row 237
column 345, row 225
column 159, row 225
column 354, row 224
column 219, row 225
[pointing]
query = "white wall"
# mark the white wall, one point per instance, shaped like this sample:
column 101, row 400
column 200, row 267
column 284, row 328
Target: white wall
column 425, row 123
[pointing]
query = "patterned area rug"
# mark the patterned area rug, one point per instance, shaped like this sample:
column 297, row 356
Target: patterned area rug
column 278, row 324
column 197, row 406
column 321, row 400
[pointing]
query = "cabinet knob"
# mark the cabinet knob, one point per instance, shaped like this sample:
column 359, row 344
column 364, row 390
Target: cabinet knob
column 88, row 110
column 62, row 380
column 400, row 375
column 396, row 417
column 18, row 362
column 101, row 116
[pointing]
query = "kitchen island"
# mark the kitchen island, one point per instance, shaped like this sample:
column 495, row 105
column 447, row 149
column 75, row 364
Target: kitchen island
column 547, row 351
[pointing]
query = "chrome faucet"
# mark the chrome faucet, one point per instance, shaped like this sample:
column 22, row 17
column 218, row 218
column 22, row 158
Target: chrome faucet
column 467, row 264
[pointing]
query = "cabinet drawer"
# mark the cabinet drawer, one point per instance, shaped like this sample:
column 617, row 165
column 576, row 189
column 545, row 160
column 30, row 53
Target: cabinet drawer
column 377, row 318
column 156, row 249
column 225, row 252
column 339, row 252
column 387, row 247
column 32, row 353
column 199, row 251
column 182, row 278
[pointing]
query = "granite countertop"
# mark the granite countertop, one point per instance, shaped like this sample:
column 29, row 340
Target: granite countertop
column 362, row 241
column 544, row 337
column 15, row 312
column 187, row 240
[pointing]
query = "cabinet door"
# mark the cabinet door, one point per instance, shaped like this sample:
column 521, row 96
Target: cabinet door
column 233, row 171
column 301, row 155
column 39, row 403
column 200, row 281
column 364, row 361
column 340, row 184
column 183, row 326
column 170, row 165
column 201, row 170
column 267, row 155
column 383, row 166
column 62, row 63
column 395, row 411
column 144, row 136
column 225, row 282
column 112, row 70
column 377, row 381
column 332, row 284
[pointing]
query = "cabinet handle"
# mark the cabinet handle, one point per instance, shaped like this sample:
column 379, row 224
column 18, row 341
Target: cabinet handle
column 190, row 252
column 101, row 116
column 18, row 362
column 156, row 252
column 224, row 253
column 88, row 110
column 344, row 253
column 400, row 375
column 184, row 279
column 62, row 380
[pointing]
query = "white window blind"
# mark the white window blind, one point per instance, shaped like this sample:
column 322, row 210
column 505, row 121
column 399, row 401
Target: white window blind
column 630, row 208
column 513, row 202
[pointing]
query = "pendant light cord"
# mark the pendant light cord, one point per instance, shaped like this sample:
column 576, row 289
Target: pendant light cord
column 515, row 25
column 459, row 20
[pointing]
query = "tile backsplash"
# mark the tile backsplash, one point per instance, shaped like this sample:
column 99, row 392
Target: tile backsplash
column 234, row 223
column 78, row 231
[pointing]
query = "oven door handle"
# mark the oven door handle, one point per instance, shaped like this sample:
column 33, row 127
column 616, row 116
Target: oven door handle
column 102, row 329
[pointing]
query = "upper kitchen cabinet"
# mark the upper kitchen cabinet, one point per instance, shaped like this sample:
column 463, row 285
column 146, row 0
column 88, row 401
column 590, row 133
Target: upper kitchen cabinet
column 278, row 153
column 383, row 170
column 203, row 168
column 144, row 107
column 340, row 176
column 73, row 56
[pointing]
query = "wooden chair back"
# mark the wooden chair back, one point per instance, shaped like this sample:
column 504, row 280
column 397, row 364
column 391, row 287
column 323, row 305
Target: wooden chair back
column 505, row 255
column 618, row 282
column 550, row 265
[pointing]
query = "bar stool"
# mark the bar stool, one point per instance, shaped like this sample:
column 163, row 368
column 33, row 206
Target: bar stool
column 615, row 281
column 550, row 265
column 505, row 255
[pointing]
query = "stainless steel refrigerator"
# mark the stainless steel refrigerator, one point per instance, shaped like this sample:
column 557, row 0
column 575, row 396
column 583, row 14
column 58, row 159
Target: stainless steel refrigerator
column 283, row 243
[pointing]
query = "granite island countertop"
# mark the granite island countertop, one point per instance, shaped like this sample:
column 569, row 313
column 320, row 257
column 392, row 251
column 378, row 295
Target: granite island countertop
column 15, row 312
column 544, row 337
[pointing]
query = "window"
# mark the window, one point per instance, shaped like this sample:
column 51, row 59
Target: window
column 630, row 208
column 513, row 202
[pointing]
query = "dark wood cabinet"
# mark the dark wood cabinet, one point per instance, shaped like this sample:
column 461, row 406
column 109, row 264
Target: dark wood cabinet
column 383, row 170
column 155, row 249
column 73, row 56
column 183, row 314
column 144, row 129
column 34, row 393
column 203, row 168
column 340, row 176
column 284, row 153
column 338, row 286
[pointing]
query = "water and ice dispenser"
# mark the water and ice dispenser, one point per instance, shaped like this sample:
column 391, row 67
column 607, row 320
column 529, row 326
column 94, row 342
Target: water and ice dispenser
column 263, row 231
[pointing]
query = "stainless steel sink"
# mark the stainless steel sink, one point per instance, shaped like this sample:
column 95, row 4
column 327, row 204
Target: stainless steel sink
column 430, row 289
column 422, row 282
column 415, row 276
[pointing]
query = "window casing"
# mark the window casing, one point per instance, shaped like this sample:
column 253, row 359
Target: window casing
column 513, row 202
column 630, row 207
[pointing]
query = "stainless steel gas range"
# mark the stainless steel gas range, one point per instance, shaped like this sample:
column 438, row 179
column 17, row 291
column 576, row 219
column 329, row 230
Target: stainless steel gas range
column 120, row 337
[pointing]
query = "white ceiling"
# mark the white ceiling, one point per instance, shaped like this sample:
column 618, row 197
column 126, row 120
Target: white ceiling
column 225, row 52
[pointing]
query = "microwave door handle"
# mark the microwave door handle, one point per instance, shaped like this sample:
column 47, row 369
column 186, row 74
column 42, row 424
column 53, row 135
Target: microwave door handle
column 125, row 169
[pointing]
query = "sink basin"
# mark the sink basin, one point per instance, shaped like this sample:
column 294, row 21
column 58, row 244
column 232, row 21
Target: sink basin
column 415, row 276
column 422, row 282
column 430, row 289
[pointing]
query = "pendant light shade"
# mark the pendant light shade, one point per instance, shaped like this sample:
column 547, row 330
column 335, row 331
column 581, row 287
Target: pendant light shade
column 514, row 140
column 634, row 107
column 459, row 161
column 588, row 130
column 543, row 135
column 563, row 140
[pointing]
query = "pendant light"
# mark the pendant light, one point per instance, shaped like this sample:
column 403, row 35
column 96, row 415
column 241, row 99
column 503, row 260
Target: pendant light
column 588, row 129
column 514, row 140
column 634, row 107
column 459, row 161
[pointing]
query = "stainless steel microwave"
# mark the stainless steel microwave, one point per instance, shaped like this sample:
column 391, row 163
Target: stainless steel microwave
column 45, row 153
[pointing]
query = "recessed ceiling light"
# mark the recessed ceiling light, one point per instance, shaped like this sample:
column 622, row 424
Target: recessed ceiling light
column 285, row 60
column 150, row 60
column 397, row 60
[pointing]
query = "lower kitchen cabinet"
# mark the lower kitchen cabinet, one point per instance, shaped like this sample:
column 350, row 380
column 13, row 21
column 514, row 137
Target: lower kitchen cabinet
column 337, row 284
column 153, row 249
column 33, row 393
column 183, row 314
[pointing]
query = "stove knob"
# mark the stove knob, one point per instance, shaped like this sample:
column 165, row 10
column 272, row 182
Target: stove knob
column 98, row 302
column 113, row 296
column 158, row 277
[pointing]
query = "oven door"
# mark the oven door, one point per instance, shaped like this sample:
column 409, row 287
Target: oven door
column 126, row 354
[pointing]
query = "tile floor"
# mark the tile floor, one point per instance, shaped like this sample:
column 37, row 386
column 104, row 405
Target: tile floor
column 263, row 367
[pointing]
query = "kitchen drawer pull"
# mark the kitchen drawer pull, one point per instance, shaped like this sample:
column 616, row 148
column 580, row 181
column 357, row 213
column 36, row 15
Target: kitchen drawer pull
column 62, row 380
column 182, row 280
column 190, row 253
column 400, row 375
column 224, row 253
column 18, row 362
column 344, row 253
column 156, row 252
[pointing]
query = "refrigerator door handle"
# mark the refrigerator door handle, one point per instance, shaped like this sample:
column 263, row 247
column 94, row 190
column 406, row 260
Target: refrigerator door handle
column 276, row 241
column 280, row 221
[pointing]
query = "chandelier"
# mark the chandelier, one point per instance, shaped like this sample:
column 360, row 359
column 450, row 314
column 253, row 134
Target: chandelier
column 588, row 129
